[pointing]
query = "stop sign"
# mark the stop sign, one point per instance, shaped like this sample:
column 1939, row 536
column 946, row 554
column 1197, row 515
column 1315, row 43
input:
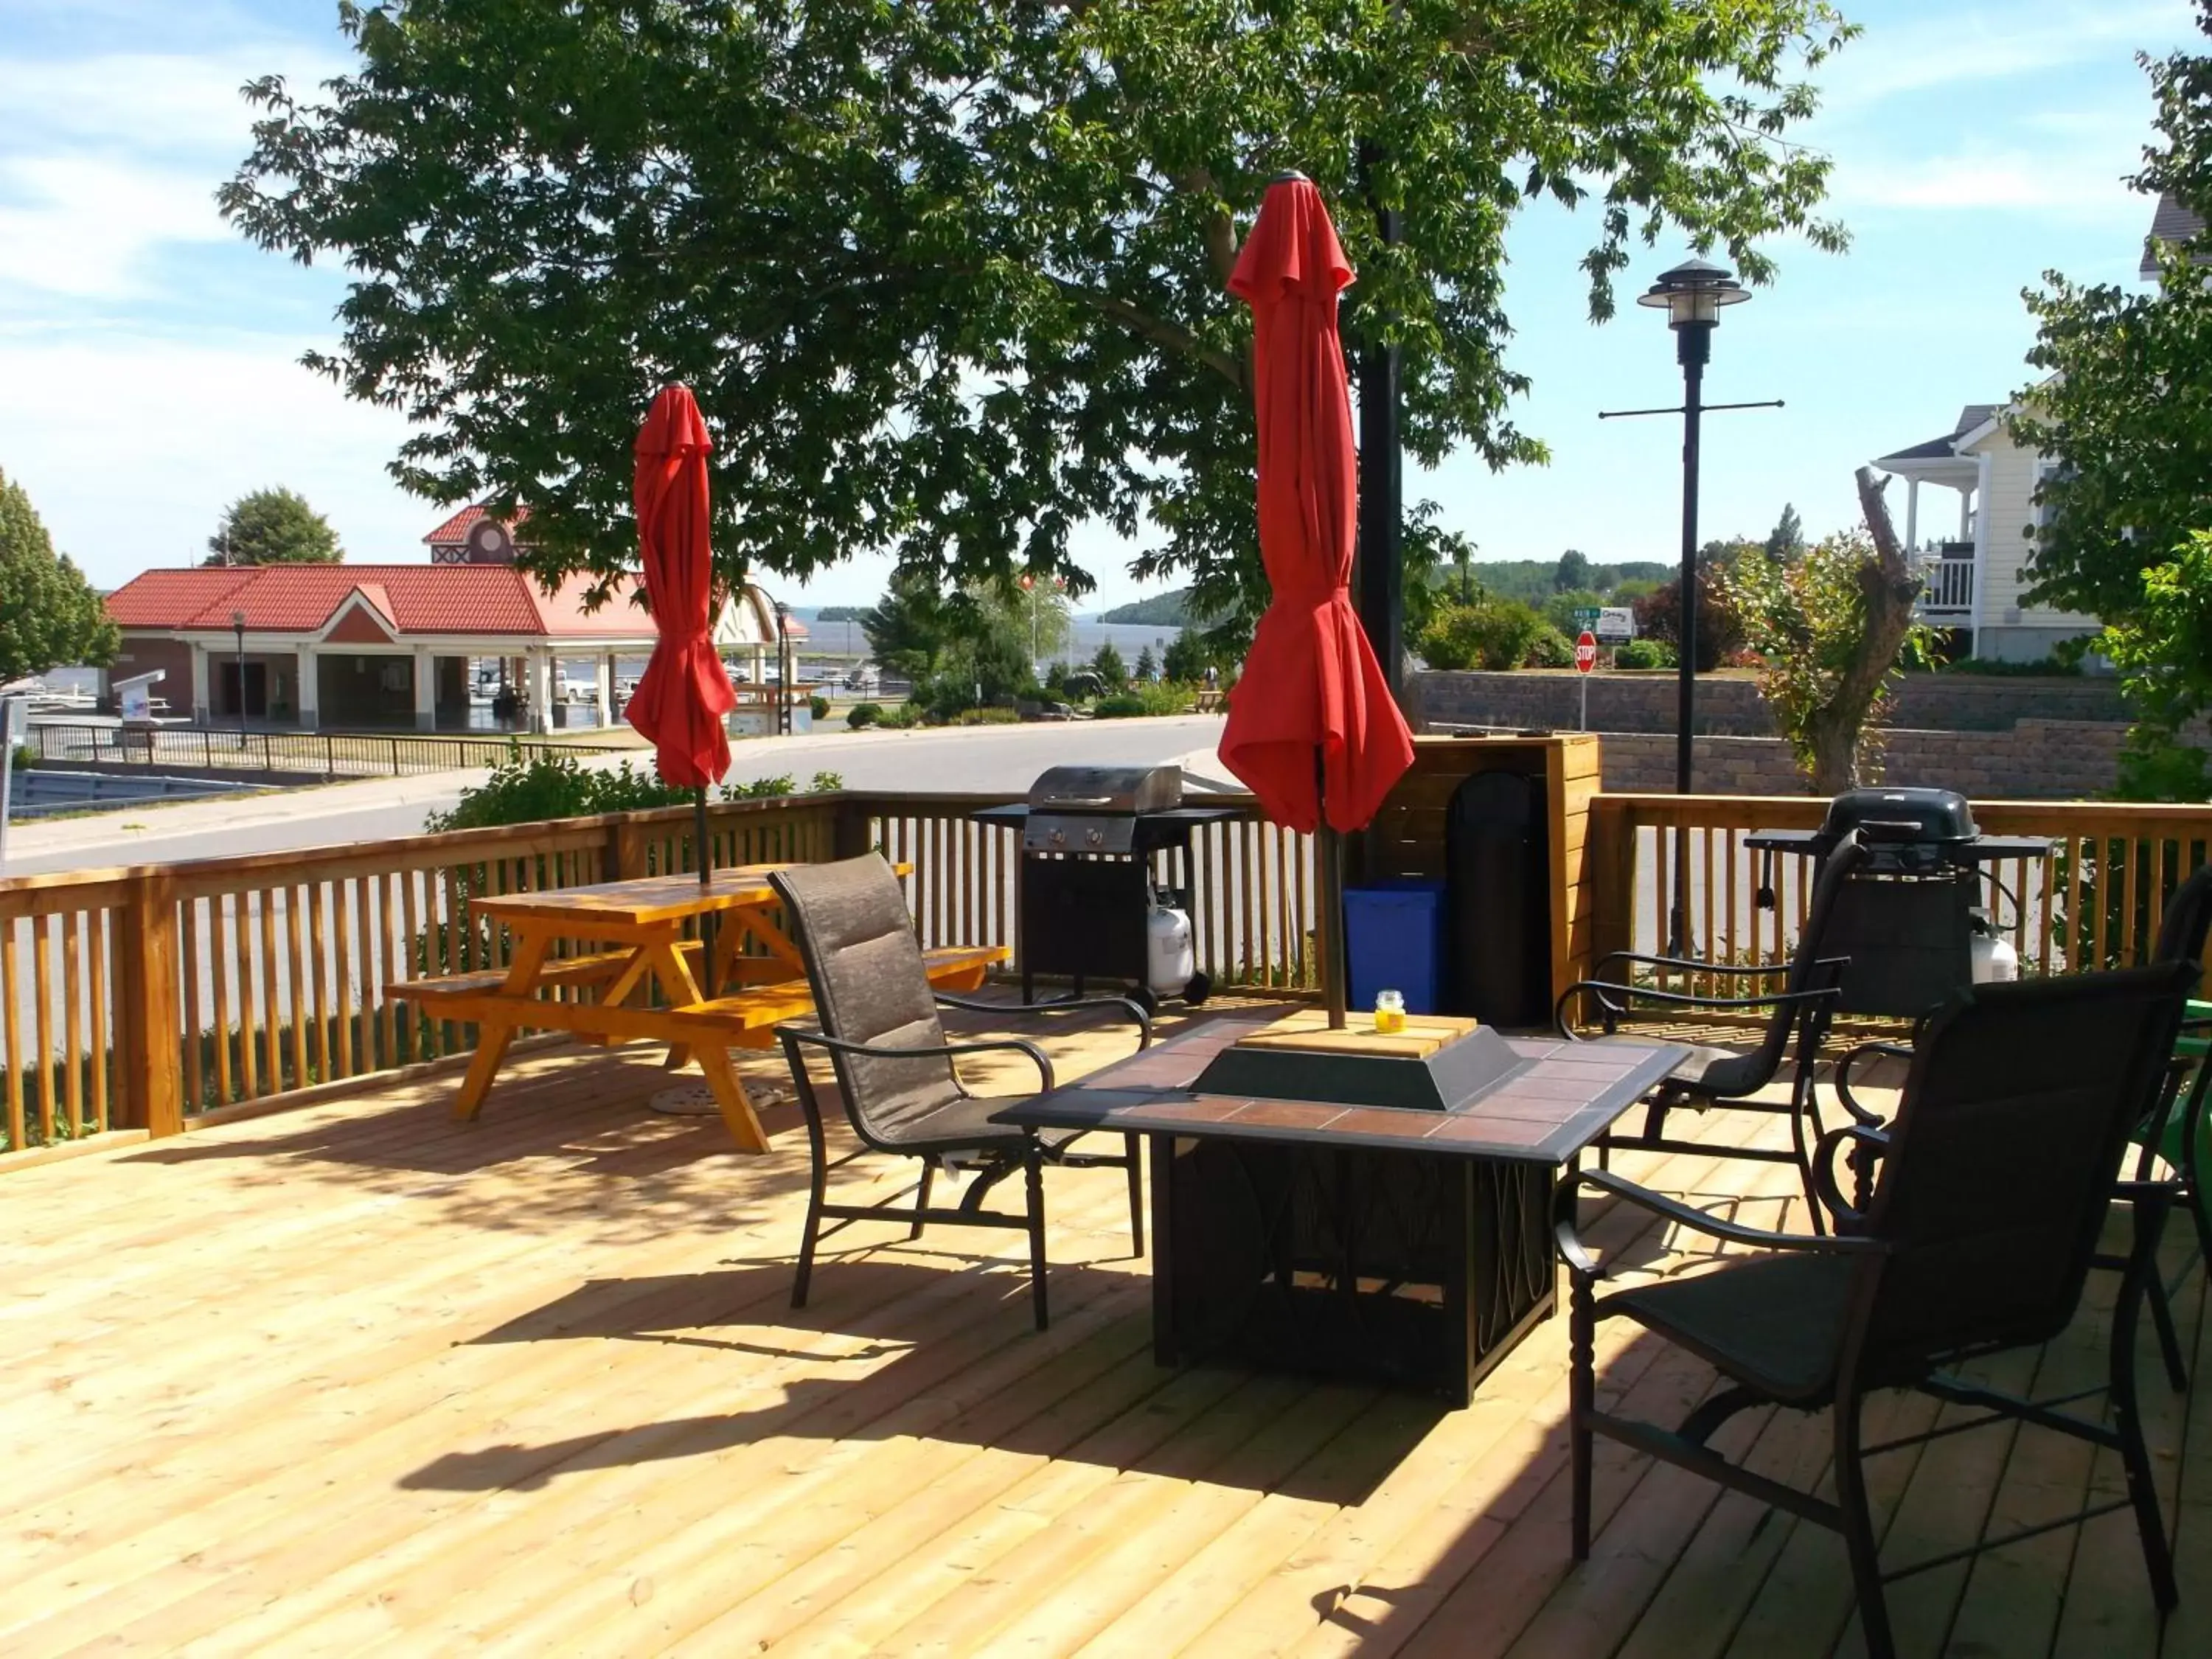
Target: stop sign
column 1585, row 652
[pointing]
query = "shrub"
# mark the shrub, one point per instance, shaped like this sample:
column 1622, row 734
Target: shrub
column 550, row 784
column 986, row 717
column 760, row 788
column 26, row 757
column 2041, row 668
column 1720, row 627
column 1553, row 649
column 1491, row 633
column 826, row 783
column 818, row 705
column 1644, row 653
column 1120, row 706
column 862, row 715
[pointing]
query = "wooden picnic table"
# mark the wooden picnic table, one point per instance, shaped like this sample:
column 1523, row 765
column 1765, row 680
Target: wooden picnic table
column 602, row 995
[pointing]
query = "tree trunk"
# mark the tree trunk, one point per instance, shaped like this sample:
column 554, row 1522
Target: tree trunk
column 1836, row 733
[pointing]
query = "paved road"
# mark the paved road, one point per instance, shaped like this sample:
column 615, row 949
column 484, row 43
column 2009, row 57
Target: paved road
column 967, row 758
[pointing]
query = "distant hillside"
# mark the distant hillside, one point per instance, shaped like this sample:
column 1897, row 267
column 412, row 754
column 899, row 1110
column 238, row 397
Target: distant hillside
column 1533, row 580
column 831, row 613
column 1161, row 610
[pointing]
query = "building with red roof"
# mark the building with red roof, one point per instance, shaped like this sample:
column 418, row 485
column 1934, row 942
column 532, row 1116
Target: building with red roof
column 382, row 646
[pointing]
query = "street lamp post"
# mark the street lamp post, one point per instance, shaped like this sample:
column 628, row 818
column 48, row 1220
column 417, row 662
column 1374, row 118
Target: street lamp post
column 782, row 669
column 238, row 626
column 1692, row 295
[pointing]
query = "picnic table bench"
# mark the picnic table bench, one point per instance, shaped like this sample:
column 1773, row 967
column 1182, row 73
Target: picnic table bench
column 650, row 985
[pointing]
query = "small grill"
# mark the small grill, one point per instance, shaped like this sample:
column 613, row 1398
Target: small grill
column 1098, row 843
column 1907, row 919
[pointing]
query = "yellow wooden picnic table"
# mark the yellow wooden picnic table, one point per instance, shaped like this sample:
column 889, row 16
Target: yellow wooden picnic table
column 639, row 928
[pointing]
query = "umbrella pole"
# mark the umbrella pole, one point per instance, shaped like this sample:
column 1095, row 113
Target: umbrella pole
column 1329, row 935
column 705, row 859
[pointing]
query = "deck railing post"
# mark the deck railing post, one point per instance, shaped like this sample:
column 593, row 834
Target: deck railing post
column 848, row 836
column 1612, row 891
column 150, row 1094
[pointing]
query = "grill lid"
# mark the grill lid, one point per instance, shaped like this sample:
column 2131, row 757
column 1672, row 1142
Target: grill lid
column 1926, row 817
column 1116, row 790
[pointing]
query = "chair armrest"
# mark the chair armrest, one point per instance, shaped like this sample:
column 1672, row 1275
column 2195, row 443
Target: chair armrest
column 1679, row 1000
column 1129, row 1006
column 925, row 1051
column 1866, row 1116
column 1687, row 964
column 1874, row 1137
column 1577, row 1256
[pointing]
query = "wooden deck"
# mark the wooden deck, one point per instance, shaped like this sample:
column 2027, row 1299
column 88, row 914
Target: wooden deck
column 354, row 1379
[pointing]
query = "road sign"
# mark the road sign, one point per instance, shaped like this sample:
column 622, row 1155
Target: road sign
column 1585, row 652
column 1585, row 615
column 1613, row 624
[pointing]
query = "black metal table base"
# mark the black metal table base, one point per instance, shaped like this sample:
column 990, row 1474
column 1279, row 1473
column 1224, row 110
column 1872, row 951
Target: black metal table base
column 1411, row 1269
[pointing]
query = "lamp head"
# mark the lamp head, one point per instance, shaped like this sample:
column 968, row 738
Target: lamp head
column 237, row 620
column 1692, row 293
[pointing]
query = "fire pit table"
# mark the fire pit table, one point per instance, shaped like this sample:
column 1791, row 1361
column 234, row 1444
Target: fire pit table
column 1381, row 1243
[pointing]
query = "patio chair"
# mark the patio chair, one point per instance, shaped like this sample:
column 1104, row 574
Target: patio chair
column 877, row 1019
column 1996, row 1179
column 2172, row 1127
column 1805, row 1005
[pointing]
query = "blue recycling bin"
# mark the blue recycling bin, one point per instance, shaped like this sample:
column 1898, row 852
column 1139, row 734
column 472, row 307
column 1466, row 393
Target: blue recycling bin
column 1393, row 937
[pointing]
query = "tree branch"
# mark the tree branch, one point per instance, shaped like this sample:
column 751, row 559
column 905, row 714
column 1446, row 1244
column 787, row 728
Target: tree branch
column 1220, row 228
column 1160, row 331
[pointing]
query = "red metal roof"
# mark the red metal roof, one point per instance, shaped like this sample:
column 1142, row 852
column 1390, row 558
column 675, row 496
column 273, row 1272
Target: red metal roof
column 417, row 598
column 455, row 530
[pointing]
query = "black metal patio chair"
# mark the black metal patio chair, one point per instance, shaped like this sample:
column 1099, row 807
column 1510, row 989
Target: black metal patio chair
column 1995, row 1179
column 2172, row 1126
column 877, row 1019
column 1804, row 1007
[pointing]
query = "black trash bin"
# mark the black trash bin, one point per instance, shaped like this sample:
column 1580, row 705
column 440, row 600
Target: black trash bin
column 1498, row 898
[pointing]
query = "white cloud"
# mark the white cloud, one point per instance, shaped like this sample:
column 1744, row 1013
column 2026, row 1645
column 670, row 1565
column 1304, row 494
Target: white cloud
column 1951, row 47
column 2057, row 183
column 107, row 159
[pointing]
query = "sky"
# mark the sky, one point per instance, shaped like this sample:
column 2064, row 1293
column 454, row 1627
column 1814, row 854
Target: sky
column 149, row 358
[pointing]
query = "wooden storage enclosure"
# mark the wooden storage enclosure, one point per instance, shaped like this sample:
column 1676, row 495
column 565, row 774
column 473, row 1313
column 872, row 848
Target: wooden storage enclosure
column 1408, row 836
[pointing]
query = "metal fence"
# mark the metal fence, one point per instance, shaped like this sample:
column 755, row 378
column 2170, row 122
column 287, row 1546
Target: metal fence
column 290, row 754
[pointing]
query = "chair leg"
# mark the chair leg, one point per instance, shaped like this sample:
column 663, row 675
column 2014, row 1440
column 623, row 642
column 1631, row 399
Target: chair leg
column 2169, row 1344
column 2127, row 1417
column 817, row 1190
column 1132, row 1149
column 1857, row 1526
column 1581, row 1397
column 921, row 1197
column 1033, row 1176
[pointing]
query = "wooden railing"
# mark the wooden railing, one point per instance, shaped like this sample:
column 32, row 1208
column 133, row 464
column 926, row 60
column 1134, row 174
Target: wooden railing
column 2094, row 900
column 142, row 998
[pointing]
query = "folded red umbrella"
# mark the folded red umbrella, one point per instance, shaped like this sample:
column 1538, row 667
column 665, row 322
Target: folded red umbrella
column 683, row 693
column 1311, row 685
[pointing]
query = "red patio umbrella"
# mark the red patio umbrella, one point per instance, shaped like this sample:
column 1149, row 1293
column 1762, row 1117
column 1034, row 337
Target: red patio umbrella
column 1312, row 727
column 683, row 693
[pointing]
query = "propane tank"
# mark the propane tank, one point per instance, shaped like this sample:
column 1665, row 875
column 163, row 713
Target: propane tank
column 1995, row 961
column 1170, row 962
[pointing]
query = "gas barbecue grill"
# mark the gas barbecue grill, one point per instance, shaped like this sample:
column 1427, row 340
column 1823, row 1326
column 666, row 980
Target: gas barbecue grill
column 1097, row 842
column 1908, row 917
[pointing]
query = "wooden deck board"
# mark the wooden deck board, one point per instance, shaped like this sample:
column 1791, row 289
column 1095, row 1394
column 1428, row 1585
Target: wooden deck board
column 356, row 1379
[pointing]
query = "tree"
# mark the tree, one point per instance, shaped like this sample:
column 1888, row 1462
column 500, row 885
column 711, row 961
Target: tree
column 1720, row 630
column 908, row 629
column 1108, row 665
column 1491, row 633
column 50, row 618
column 1185, row 660
column 1786, row 541
column 1573, row 573
column 1832, row 626
column 948, row 280
column 273, row 527
column 2125, row 410
column 1148, row 665
column 1560, row 610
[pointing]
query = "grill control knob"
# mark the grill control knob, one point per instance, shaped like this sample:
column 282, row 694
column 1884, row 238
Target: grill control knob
column 1059, row 838
column 1096, row 837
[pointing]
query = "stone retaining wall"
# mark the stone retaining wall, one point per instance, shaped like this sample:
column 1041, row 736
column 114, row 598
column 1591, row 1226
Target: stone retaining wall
column 1731, row 706
column 2037, row 760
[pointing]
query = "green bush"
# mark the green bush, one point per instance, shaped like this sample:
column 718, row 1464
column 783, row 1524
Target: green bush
column 549, row 784
column 1553, row 649
column 1145, row 699
column 862, row 715
column 986, row 717
column 2041, row 668
column 1490, row 633
column 26, row 757
column 826, row 783
column 1644, row 653
column 818, row 705
column 1120, row 706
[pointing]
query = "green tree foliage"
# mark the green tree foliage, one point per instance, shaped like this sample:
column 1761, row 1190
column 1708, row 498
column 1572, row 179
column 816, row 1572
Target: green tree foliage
column 1113, row 673
column 908, row 628
column 1492, row 633
column 273, row 527
column 1560, row 610
column 1148, row 665
column 1171, row 610
column 2163, row 649
column 1833, row 626
column 1573, row 573
column 1786, row 541
column 948, row 279
column 1720, row 629
column 1187, row 658
column 2126, row 407
column 50, row 618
